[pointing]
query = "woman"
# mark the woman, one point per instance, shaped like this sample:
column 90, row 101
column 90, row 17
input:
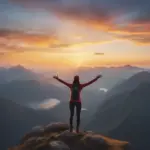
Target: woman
column 75, row 100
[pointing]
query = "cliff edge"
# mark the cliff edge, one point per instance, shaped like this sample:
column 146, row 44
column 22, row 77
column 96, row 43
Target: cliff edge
column 56, row 136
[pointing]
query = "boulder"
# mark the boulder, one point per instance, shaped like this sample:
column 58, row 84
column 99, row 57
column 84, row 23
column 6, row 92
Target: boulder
column 58, row 145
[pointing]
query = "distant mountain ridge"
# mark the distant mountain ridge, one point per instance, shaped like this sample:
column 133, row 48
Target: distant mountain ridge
column 116, row 99
column 16, row 120
column 125, row 114
column 116, row 67
column 136, row 126
column 111, row 75
column 27, row 91
column 130, row 84
column 17, row 73
column 110, row 117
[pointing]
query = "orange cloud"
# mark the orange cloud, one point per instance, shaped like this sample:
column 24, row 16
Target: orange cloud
column 19, row 41
column 136, row 31
column 102, row 15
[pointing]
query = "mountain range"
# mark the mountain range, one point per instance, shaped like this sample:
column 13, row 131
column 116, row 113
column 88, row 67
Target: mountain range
column 16, row 73
column 111, row 75
column 103, row 112
column 136, row 125
column 124, row 113
column 25, row 92
column 16, row 120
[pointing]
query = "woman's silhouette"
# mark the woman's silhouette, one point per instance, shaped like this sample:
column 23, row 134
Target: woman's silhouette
column 75, row 100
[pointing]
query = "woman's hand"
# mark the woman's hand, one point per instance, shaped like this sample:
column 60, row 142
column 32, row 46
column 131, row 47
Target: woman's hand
column 55, row 77
column 99, row 76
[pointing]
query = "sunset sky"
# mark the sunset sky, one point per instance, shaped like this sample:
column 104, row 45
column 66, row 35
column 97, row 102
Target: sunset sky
column 73, row 33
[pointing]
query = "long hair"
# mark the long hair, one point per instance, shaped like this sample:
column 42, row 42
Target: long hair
column 75, row 88
column 76, row 80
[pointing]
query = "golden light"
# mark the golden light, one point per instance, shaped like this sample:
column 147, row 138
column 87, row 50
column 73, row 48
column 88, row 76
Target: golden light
column 74, row 59
column 78, row 59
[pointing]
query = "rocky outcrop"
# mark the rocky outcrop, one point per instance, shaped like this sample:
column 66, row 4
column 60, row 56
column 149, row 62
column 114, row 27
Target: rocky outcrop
column 56, row 136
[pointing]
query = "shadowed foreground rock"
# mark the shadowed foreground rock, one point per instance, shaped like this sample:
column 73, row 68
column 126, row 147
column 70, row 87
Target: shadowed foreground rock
column 56, row 136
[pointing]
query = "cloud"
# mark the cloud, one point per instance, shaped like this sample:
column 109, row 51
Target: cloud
column 48, row 104
column 19, row 41
column 98, row 53
column 80, row 10
column 104, row 90
column 120, row 17
column 84, row 109
column 2, row 54
column 138, row 38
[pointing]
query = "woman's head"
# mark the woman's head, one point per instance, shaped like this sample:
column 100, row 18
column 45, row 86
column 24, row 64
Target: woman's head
column 76, row 79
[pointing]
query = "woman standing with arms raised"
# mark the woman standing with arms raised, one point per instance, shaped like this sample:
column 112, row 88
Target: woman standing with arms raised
column 75, row 99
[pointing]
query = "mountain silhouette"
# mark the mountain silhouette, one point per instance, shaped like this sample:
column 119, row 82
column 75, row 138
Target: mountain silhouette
column 130, row 84
column 16, row 120
column 136, row 125
column 126, row 114
column 109, row 119
column 28, row 91
column 16, row 73
column 111, row 75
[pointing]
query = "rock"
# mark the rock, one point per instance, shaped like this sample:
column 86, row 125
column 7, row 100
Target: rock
column 42, row 146
column 95, row 139
column 38, row 128
column 70, row 136
column 89, row 132
column 40, row 139
column 58, row 145
column 67, row 134
column 97, row 142
column 56, row 127
column 56, row 136
column 33, row 133
column 72, row 139
column 31, row 140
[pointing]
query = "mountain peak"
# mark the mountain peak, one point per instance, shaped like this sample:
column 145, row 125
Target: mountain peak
column 18, row 67
column 128, row 66
column 57, row 136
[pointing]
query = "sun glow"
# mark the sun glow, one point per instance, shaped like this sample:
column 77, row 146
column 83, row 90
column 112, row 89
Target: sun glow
column 75, row 59
column 79, row 59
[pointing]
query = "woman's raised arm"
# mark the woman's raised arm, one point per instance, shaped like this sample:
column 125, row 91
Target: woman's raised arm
column 90, row 82
column 62, row 81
